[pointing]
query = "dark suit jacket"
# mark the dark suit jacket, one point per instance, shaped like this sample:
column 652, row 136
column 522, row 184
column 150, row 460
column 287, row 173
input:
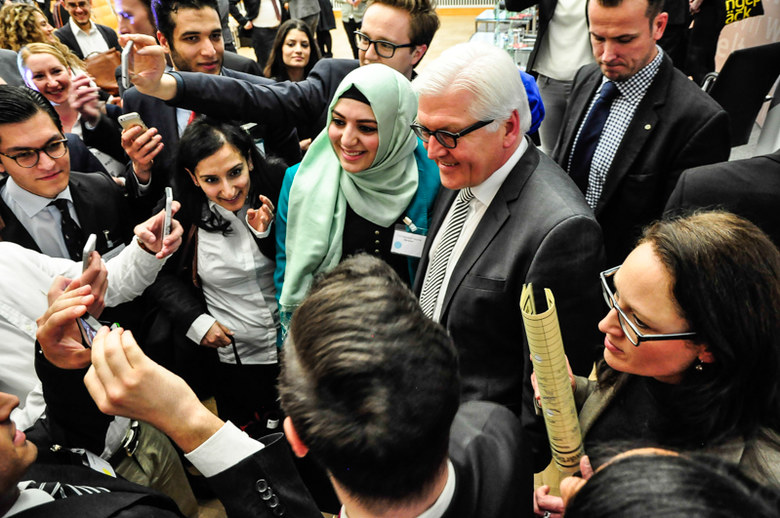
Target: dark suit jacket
column 304, row 103
column 537, row 230
column 8, row 69
column 126, row 500
column 749, row 188
column 101, row 207
column 66, row 36
column 675, row 126
column 486, row 450
column 280, row 142
column 239, row 63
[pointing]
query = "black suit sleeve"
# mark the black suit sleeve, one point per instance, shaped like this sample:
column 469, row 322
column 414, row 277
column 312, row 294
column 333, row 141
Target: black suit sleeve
column 264, row 481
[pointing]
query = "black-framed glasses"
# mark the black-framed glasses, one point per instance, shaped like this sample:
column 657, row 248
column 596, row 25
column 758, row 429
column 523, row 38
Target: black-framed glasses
column 447, row 138
column 383, row 49
column 28, row 158
column 629, row 329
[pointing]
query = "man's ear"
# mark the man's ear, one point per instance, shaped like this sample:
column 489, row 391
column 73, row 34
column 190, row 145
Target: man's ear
column 163, row 42
column 296, row 443
column 418, row 53
column 512, row 129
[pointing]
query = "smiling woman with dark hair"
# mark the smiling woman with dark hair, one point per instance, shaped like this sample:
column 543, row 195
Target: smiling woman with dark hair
column 692, row 346
column 218, row 290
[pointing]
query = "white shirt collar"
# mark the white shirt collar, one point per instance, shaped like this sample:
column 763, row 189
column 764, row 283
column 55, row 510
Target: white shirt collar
column 31, row 203
column 76, row 29
column 486, row 191
column 442, row 503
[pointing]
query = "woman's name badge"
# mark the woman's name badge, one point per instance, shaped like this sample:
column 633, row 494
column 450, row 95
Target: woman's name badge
column 406, row 243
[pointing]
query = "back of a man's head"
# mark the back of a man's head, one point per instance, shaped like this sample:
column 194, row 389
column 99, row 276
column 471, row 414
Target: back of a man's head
column 19, row 103
column 424, row 20
column 165, row 9
column 370, row 384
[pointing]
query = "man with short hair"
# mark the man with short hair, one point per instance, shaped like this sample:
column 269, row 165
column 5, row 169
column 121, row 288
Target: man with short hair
column 370, row 388
column 633, row 122
column 191, row 34
column 81, row 35
column 403, row 29
column 507, row 216
column 43, row 204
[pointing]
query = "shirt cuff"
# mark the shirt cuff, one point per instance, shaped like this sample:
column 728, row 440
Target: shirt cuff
column 259, row 235
column 199, row 327
column 223, row 450
column 141, row 188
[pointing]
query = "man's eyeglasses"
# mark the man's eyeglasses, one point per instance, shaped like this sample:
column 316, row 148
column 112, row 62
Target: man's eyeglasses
column 446, row 138
column 29, row 157
column 629, row 328
column 383, row 49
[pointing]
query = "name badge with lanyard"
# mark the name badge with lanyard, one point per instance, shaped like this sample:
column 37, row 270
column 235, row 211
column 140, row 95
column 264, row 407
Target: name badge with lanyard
column 409, row 242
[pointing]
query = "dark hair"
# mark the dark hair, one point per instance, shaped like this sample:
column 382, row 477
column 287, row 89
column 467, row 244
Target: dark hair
column 163, row 11
column 201, row 139
column 648, row 485
column 725, row 276
column 275, row 68
column 424, row 20
column 370, row 384
column 654, row 7
column 19, row 103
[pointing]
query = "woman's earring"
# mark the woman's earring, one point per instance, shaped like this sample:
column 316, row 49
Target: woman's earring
column 699, row 367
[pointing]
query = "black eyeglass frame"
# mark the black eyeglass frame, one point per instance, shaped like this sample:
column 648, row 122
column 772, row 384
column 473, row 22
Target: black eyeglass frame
column 609, row 298
column 359, row 37
column 420, row 131
column 38, row 152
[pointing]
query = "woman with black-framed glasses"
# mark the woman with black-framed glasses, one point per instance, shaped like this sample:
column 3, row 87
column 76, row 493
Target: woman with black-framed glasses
column 691, row 348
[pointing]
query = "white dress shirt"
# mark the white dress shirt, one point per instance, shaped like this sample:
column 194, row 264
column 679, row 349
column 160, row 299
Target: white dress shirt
column 41, row 220
column 89, row 41
column 25, row 278
column 483, row 195
column 238, row 285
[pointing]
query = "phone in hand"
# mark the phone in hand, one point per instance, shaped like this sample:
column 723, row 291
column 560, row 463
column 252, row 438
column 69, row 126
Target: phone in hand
column 125, row 66
column 168, row 212
column 89, row 247
column 88, row 326
column 128, row 120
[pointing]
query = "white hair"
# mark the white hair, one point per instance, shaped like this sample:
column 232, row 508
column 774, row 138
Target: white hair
column 484, row 70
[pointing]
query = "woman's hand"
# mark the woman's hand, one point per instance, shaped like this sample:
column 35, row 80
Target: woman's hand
column 84, row 99
column 535, row 383
column 217, row 336
column 260, row 219
column 546, row 504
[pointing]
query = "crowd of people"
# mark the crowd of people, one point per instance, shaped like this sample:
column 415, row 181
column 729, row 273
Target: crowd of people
column 342, row 273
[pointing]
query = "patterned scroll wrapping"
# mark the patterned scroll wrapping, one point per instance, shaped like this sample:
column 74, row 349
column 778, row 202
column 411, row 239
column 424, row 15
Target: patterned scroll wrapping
column 552, row 376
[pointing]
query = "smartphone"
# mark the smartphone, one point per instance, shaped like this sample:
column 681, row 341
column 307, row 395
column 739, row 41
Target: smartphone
column 89, row 247
column 88, row 325
column 126, row 53
column 128, row 120
column 168, row 212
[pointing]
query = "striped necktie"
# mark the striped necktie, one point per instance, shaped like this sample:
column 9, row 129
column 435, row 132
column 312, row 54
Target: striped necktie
column 434, row 276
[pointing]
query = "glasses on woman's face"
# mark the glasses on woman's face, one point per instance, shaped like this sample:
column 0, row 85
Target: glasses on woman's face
column 629, row 328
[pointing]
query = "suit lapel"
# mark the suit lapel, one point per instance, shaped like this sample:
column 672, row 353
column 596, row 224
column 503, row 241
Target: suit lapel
column 494, row 218
column 580, row 101
column 83, row 202
column 641, row 128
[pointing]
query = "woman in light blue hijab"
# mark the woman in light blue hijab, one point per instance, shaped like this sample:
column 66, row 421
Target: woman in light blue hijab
column 365, row 177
